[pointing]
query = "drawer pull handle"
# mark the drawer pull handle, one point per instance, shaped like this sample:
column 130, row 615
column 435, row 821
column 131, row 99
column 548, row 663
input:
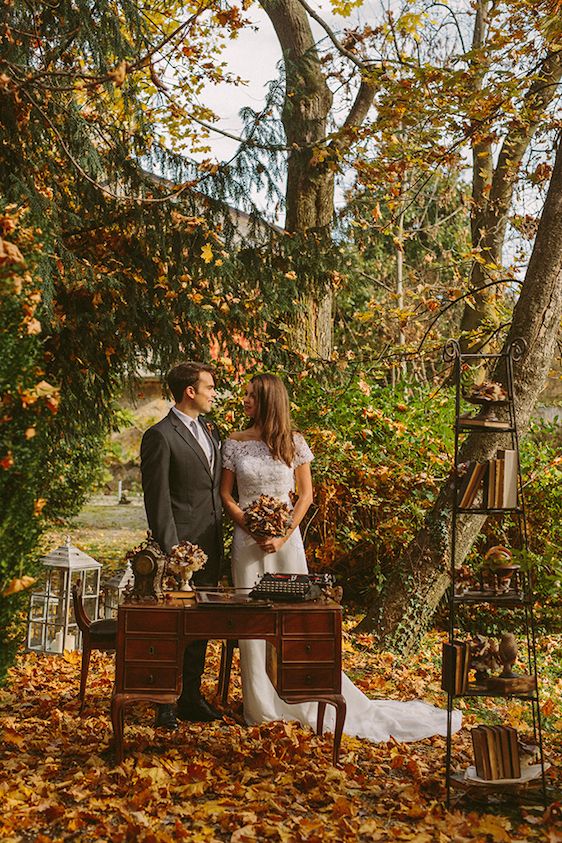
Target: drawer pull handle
column 230, row 623
column 151, row 651
column 308, row 679
column 308, row 648
column 150, row 679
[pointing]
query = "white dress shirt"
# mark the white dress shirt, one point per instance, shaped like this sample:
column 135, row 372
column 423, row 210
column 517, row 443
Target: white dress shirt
column 203, row 439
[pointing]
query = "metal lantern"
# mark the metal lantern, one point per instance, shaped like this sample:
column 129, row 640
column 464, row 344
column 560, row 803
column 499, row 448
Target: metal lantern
column 114, row 588
column 52, row 626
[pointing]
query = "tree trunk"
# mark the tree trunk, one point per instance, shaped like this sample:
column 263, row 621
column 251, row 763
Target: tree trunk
column 492, row 189
column 310, row 176
column 404, row 608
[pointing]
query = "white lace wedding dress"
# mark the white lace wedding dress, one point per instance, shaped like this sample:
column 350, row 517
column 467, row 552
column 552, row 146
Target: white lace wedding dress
column 258, row 473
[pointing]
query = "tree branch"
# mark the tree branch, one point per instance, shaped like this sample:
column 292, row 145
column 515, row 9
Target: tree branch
column 332, row 36
column 470, row 292
column 538, row 97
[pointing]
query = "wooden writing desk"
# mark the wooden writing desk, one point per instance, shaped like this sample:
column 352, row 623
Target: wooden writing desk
column 303, row 652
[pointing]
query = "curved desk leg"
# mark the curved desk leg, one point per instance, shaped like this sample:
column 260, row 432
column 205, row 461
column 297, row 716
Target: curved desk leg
column 337, row 700
column 341, row 708
column 320, row 719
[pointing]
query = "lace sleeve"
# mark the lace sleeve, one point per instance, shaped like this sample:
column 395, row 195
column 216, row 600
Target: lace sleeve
column 228, row 453
column 303, row 453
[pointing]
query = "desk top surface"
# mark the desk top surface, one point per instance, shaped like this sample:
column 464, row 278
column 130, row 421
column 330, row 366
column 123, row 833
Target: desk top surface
column 190, row 604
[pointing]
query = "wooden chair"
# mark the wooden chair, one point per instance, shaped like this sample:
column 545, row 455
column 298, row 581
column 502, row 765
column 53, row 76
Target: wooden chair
column 96, row 635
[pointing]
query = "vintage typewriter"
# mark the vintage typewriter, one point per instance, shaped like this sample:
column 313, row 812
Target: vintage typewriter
column 291, row 588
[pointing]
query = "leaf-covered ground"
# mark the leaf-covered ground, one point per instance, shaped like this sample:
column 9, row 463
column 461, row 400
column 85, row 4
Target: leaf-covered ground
column 228, row 782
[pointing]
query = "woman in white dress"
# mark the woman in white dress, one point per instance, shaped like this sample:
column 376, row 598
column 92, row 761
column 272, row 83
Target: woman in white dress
column 269, row 458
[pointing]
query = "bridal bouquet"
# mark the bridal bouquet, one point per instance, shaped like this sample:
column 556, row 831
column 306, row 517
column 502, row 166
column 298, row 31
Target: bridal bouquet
column 183, row 560
column 268, row 517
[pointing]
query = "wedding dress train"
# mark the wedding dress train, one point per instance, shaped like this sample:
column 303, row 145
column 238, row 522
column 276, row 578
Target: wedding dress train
column 258, row 473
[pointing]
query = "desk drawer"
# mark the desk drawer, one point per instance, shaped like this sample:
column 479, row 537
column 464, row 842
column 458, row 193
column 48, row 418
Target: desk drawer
column 305, row 623
column 308, row 650
column 151, row 620
column 151, row 649
column 234, row 624
column 149, row 678
column 309, row 679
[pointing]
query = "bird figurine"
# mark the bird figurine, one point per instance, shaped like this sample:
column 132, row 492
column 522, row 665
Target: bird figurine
column 507, row 651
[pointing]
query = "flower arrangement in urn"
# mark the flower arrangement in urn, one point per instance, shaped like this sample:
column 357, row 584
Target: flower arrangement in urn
column 268, row 517
column 183, row 560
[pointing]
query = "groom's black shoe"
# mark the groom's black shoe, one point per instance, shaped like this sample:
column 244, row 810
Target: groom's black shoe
column 166, row 718
column 197, row 711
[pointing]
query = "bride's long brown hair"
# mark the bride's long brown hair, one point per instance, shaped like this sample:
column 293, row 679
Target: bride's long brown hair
column 273, row 415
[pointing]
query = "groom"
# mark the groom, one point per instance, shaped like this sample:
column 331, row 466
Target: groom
column 181, row 468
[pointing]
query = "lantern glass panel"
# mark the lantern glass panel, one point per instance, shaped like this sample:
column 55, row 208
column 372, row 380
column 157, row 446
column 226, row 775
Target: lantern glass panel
column 37, row 616
column 37, row 607
column 111, row 602
column 35, row 640
column 90, row 581
column 56, row 582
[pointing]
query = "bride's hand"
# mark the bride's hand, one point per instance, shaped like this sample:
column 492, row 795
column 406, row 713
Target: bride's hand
column 272, row 545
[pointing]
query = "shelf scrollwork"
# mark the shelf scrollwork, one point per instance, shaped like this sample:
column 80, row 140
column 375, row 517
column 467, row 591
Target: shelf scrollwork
column 451, row 351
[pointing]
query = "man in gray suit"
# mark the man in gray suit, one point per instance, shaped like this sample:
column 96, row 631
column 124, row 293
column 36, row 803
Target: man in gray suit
column 181, row 468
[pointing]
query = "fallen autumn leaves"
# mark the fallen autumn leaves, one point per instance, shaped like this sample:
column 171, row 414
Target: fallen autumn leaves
column 227, row 782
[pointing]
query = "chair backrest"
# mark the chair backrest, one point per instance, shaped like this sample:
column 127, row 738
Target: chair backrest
column 82, row 618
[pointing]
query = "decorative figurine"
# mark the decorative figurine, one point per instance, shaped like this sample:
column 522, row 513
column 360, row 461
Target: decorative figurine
column 509, row 682
column 507, row 652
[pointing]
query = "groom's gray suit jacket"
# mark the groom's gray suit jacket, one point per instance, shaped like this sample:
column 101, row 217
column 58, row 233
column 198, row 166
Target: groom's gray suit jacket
column 181, row 492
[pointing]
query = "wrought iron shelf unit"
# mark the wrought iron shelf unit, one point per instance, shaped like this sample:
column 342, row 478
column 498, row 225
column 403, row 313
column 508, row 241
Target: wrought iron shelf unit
column 507, row 601
column 486, row 692
column 520, row 597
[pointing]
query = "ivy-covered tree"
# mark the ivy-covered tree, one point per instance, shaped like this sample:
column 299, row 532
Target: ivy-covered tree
column 407, row 601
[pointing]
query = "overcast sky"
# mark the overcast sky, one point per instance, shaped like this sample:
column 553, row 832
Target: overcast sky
column 253, row 56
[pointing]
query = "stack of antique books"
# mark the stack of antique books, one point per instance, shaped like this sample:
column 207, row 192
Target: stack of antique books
column 496, row 752
column 497, row 478
column 455, row 666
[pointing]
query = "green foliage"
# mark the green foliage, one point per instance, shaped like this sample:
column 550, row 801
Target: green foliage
column 48, row 449
column 381, row 455
column 542, row 472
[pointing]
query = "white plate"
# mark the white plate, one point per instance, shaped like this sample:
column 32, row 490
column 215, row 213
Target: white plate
column 527, row 775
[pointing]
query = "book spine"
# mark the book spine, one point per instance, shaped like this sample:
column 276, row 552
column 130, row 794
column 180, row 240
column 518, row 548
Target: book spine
column 491, row 752
column 448, row 666
column 515, row 761
column 485, row 753
column 477, row 749
column 510, row 478
column 491, row 484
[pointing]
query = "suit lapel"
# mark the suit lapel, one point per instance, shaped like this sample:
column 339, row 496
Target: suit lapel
column 189, row 439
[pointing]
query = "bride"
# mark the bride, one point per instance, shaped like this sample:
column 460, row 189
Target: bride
column 268, row 457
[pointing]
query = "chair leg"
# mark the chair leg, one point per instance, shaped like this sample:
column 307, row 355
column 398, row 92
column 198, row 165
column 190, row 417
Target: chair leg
column 86, row 652
column 227, row 651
